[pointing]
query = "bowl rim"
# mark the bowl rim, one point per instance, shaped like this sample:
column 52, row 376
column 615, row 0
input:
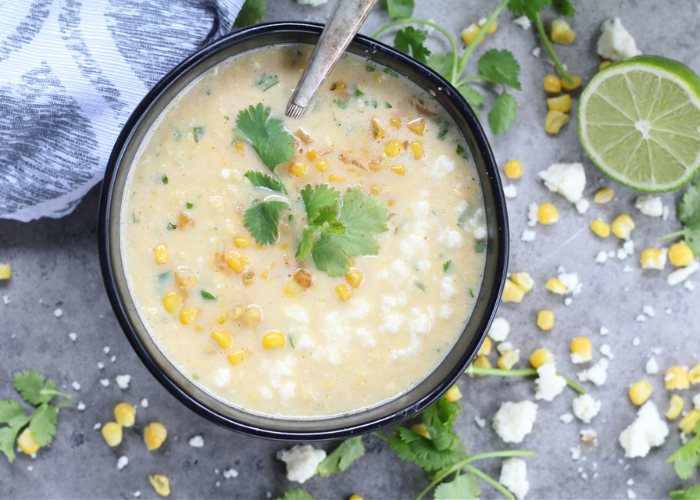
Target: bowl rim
column 108, row 271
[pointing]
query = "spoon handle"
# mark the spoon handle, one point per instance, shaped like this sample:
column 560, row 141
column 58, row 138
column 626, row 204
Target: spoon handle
column 342, row 26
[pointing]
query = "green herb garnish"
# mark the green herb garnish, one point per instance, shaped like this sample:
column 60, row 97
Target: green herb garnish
column 480, row 246
column 165, row 180
column 296, row 494
column 388, row 106
column 410, row 41
column 267, row 81
column 420, row 285
column 171, row 226
column 197, row 132
column 342, row 457
column 207, row 296
column 358, row 92
column 252, row 12
column 258, row 179
column 268, row 137
column 399, row 8
column 341, row 103
column 189, row 205
column 370, row 68
column 688, row 213
column 391, row 72
column 134, row 219
column 687, row 458
column 446, row 266
column 262, row 220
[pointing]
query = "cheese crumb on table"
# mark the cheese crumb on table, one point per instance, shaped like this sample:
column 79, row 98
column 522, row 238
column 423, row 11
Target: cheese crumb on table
column 523, row 21
column 123, row 381
column 650, row 205
column 566, row 418
column 514, row 477
column 683, row 273
column 76, row 385
column 513, row 421
column 500, row 328
column 528, row 235
column 646, row 431
column 302, row 461
column 652, row 367
column 586, row 407
column 196, row 442
column 122, row 462
column 597, row 373
column 229, row 473
column 615, row 42
column 567, row 179
column 548, row 384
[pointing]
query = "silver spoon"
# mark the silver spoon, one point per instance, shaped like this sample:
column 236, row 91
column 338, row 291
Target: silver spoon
column 342, row 26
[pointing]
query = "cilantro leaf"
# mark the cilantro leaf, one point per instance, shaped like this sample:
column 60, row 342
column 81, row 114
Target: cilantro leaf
column 442, row 63
column 413, row 447
column 262, row 220
column 252, row 12
column 318, row 197
column 267, row 81
column 258, row 179
column 341, row 458
column 296, row 494
column 399, row 8
column 473, row 97
column 464, row 487
column 206, row 295
column 500, row 66
column 687, row 457
column 8, row 435
column 305, row 245
column 692, row 239
column 30, row 383
column 267, row 135
column 689, row 206
column 43, row 424
column 692, row 493
column 197, row 133
column 502, row 113
column 565, row 7
column 410, row 41
column 10, row 410
column 529, row 8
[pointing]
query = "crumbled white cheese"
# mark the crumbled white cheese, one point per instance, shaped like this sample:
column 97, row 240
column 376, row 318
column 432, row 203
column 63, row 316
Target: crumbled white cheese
column 514, row 477
column 548, row 384
column 222, row 378
column 523, row 22
column 649, row 311
column 571, row 282
column 97, row 426
column 58, row 313
column 106, row 349
column 513, row 421
column 650, row 205
column 196, row 441
column 6, row 299
column 480, row 422
column 606, row 351
column 454, row 240
column 447, row 289
column 104, row 382
column 567, row 179
column 615, row 42
column 500, row 328
column 640, row 318
column 100, row 365
column 689, row 285
column 589, row 437
column 576, row 452
column 76, row 385
column 652, row 367
column 601, row 257
column 532, row 217
column 696, row 401
column 566, row 418
column 122, row 462
column 81, row 406
column 628, row 246
column 123, row 381
column 604, row 331
column 73, row 336
column 636, row 341
column 646, row 431
column 144, row 403
column 302, row 461
column 586, row 407
column 312, row 3
column 582, row 206
column 229, row 473
column 682, row 274
column 505, row 347
column 621, row 254
column 225, row 173
column 510, row 191
column 631, row 495
column 536, row 52
column 597, row 373
column 442, row 166
column 528, row 235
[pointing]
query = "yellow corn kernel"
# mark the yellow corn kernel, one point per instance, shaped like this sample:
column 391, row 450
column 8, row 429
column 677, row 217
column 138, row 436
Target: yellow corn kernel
column 694, row 374
column 603, row 65
column 512, row 292
column 561, row 103
column 421, row 429
column 241, row 241
column 273, row 340
column 354, row 278
column 124, row 414
column 554, row 121
column 552, row 84
column 575, row 83
column 5, row 271
column 237, row 262
column 392, row 148
column 675, row 406
column 185, row 278
column 312, row 154
column 297, row 169
column 26, row 442
column 112, row 432
column 293, row 289
column 238, row 146
column 469, row 33
column 355, row 497
column 162, row 254
column 562, row 32
column 604, row 195
column 556, row 286
column 222, row 318
column 687, row 425
column 677, row 378
column 540, row 357
column 453, row 394
column 237, row 313
column 237, row 357
column 222, row 337
column 513, row 170
column 399, row 169
column 172, row 301
column 154, row 435
column 623, row 226
column 545, row 320
column 335, row 178
column 547, row 214
column 485, row 348
column 639, row 392
column 416, row 126
column 493, row 27
column 266, row 273
column 651, row 259
column 680, row 254
column 252, row 315
column 523, row 280
column 377, row 129
column 380, row 164
column 187, row 316
column 581, row 350
column 322, row 165
column 482, row 361
column 417, row 148
column 508, row 360
column 343, row 293
column 600, row 228
column 395, row 122
column 160, row 484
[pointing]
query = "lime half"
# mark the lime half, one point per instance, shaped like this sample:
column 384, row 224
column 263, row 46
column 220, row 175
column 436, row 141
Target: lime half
column 639, row 122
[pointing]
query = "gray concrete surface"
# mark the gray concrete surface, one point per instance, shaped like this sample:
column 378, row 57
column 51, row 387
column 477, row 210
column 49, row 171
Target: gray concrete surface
column 55, row 265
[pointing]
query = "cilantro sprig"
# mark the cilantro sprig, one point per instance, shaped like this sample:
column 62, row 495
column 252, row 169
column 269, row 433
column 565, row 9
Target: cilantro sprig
column 525, row 372
column 36, row 390
column 252, row 12
column 689, row 214
column 342, row 457
column 296, row 494
column 687, row 458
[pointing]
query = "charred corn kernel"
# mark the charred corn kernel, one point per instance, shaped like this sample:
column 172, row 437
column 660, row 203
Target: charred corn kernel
column 469, row 33
column 377, row 129
column 581, row 350
column 523, row 280
column 187, row 316
column 154, row 435
column 417, row 148
column 675, row 406
column 600, row 228
column 512, row 292
column 416, row 126
column 575, row 83
column 238, row 146
column 237, row 262
column 312, row 154
column 421, row 429
column 160, row 484
column 162, row 254
column 354, row 278
column 540, row 357
column 392, row 149
column 485, row 348
column 112, row 432
column 604, row 195
column 222, row 318
column 399, row 169
column 547, row 214
column 545, row 320
column 241, row 241
column 335, row 178
column 237, row 313
column 124, row 414
column 395, row 122
column 639, row 392
column 293, row 289
column 694, row 374
column 27, row 444
column 603, row 65
column 562, row 32
column 623, row 226
column 322, row 165
column 554, row 121
column 343, row 293
column 556, row 286
column 651, row 259
column 355, row 497
column 687, row 425
column 453, row 394
column 508, row 360
column 297, row 169
column 339, row 85
column 172, row 301
column 273, row 340
column 252, row 315
column 513, row 170
column 680, row 254
column 552, row 84
column 561, row 103
column 237, row 357
column 222, row 337
column 677, row 378
column 185, row 278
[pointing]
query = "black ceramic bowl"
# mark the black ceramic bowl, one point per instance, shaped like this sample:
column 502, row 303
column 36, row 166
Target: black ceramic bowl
column 179, row 385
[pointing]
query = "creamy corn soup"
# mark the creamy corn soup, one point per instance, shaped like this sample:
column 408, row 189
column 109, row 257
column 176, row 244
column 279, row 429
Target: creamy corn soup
column 396, row 251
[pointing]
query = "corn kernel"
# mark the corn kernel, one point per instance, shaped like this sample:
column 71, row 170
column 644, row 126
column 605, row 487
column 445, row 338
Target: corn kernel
column 556, row 286
column 523, row 280
column 639, row 392
column 392, row 148
column 273, row 340
column 252, row 315
column 172, row 301
column 575, row 83
column 238, row 146
column 185, row 278
column 512, row 292
column 562, row 32
column 545, row 320
column 162, row 255
column 222, row 337
column 293, row 289
column 266, row 273
column 312, row 154
column 421, row 429
column 687, row 425
column 322, row 165
column 416, row 126
column 481, row 361
column 221, row 319
column 469, row 33
column 485, row 348
column 395, row 122
column 493, row 27
column 237, row 313
column 380, row 164
column 541, row 357
column 297, row 169
column 241, row 241
column 675, row 406
column 399, row 169
column 354, row 278
column 187, row 316
column 604, row 195
column 237, row 357
column 680, row 254
column 343, row 293
column 5, row 271
column 112, row 432
column 561, row 103
column 652, row 259
column 377, row 129
column 600, row 228
column 552, row 84
column 27, row 443
column 581, row 350
column 694, row 374
column 603, row 65
column 514, row 169
column 124, row 414
column 237, row 262
column 355, row 497
column 547, row 214
column 623, row 226
column 417, row 148
column 160, row 484
column 453, row 394
column 154, row 435
column 677, row 378
column 508, row 360
column 335, row 178
column 554, row 121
